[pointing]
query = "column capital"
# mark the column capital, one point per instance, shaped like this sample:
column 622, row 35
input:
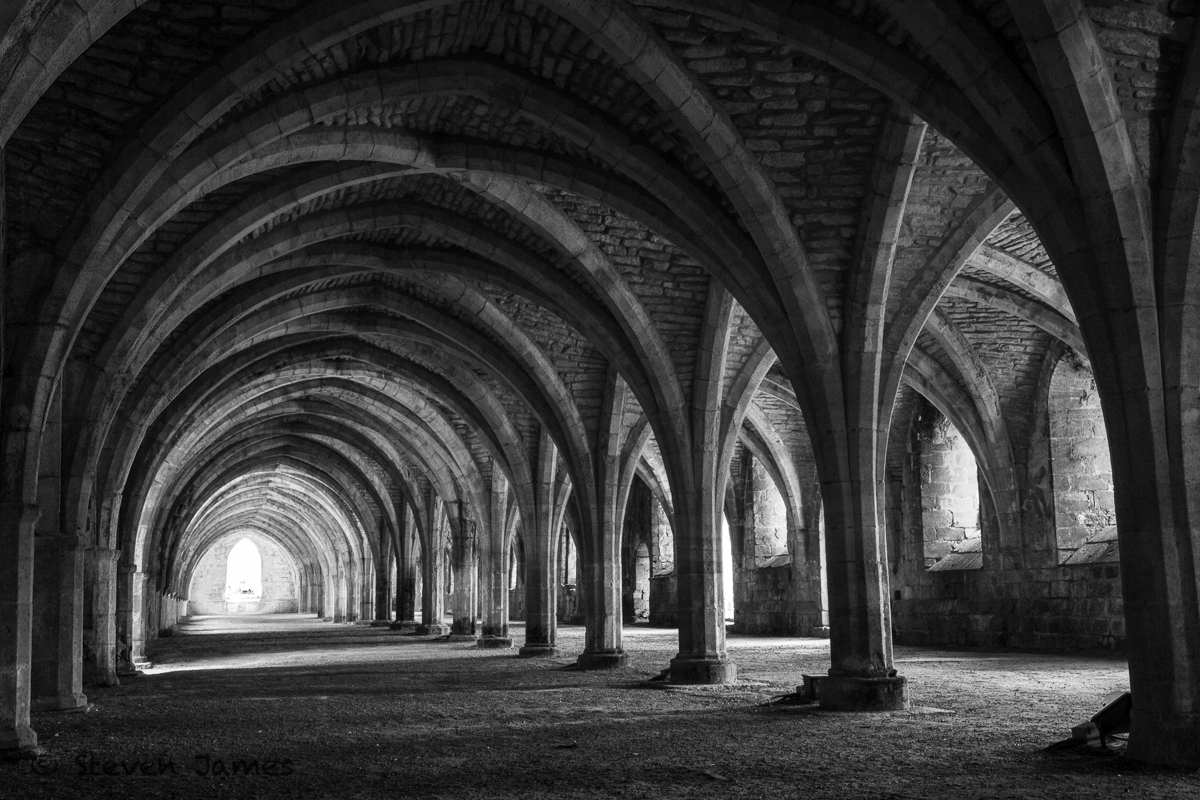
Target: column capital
column 102, row 554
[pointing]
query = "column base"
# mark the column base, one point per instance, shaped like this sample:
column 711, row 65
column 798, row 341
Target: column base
column 538, row 651
column 404, row 627
column 495, row 642
column 703, row 670
column 433, row 629
column 462, row 637
column 844, row 693
column 590, row 661
column 65, row 702
column 380, row 623
column 1167, row 739
column 20, row 742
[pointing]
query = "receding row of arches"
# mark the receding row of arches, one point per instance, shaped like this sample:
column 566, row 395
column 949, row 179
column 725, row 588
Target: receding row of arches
column 387, row 283
column 249, row 572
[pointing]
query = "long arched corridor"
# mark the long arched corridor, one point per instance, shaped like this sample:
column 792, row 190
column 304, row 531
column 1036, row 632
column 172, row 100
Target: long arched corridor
column 866, row 323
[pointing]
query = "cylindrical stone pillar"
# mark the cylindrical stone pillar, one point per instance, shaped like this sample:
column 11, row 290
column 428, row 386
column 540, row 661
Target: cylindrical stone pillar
column 494, row 593
column 406, row 589
column 701, row 657
column 57, row 652
column 100, row 631
column 464, row 601
column 16, row 618
column 541, row 599
column 600, row 581
column 433, row 593
column 139, row 618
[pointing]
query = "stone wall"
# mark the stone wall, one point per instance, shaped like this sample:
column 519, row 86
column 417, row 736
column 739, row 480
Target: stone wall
column 1039, row 603
column 777, row 599
column 776, row 590
column 663, row 593
column 279, row 592
column 1067, row 607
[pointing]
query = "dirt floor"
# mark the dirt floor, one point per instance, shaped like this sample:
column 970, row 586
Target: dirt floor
column 314, row 709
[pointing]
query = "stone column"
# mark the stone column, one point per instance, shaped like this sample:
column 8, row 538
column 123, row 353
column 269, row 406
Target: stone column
column 600, row 540
column 433, row 586
column 700, row 593
column 316, row 591
column 432, row 599
column 362, row 590
column 125, row 573
column 56, row 663
column 383, row 581
column 541, row 557
column 354, row 588
column 16, row 598
column 494, row 566
column 464, row 601
column 140, row 619
column 406, row 571
column 341, row 590
column 100, row 630
column 861, row 675
column 304, row 590
column 600, row 590
column 541, row 600
column 16, row 567
column 57, row 659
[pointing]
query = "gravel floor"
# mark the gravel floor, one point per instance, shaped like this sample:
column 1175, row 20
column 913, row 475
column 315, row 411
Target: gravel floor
column 319, row 710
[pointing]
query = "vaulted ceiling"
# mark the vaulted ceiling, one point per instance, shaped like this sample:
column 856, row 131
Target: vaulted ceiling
column 310, row 258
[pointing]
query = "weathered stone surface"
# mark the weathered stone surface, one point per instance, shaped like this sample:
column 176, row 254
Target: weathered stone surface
column 329, row 274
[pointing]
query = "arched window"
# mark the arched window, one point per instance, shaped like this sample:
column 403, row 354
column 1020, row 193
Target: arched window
column 663, row 549
column 516, row 564
column 641, row 582
column 1085, row 515
column 727, row 570
column 949, row 486
column 766, row 517
column 243, row 577
column 568, row 559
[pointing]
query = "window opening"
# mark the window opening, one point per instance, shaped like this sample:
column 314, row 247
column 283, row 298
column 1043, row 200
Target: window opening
column 1085, row 515
column 726, row 570
column 243, row 581
column 949, row 484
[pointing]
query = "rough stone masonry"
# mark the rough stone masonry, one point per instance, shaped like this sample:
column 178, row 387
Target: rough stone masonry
column 871, row 320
